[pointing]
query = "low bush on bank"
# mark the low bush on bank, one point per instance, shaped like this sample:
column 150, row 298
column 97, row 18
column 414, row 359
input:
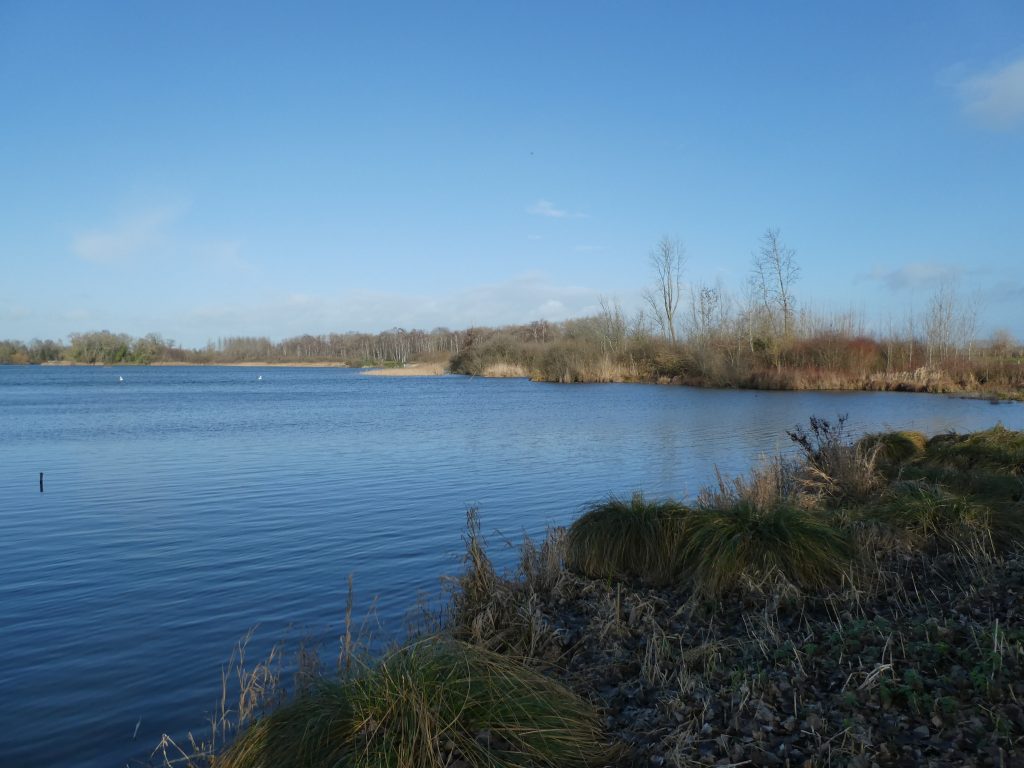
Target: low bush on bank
column 432, row 704
column 627, row 538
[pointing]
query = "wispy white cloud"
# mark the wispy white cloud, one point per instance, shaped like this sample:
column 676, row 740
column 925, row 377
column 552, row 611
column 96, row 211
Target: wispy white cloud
column 131, row 238
column 161, row 234
column 549, row 210
column 995, row 99
column 915, row 275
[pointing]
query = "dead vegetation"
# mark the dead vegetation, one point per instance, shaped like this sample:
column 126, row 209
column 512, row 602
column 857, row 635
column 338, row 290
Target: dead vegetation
column 839, row 610
column 859, row 607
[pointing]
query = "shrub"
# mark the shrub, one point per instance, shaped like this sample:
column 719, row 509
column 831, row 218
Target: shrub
column 618, row 538
column 726, row 546
column 429, row 705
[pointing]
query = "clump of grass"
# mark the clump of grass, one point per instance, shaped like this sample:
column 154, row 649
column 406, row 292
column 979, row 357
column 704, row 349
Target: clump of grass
column 776, row 481
column 893, row 448
column 429, row 705
column 741, row 543
column 994, row 450
column 501, row 614
column 479, row 580
column 933, row 517
column 835, row 467
column 619, row 538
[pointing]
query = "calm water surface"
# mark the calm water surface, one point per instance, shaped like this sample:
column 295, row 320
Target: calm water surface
column 184, row 506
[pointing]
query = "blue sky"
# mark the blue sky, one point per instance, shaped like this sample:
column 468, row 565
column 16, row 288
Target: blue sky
column 209, row 169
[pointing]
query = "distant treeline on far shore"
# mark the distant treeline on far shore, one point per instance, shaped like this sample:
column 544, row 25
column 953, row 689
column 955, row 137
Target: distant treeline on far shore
column 694, row 334
column 736, row 351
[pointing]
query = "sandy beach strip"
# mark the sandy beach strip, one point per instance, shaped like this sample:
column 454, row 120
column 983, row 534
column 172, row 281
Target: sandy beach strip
column 412, row 369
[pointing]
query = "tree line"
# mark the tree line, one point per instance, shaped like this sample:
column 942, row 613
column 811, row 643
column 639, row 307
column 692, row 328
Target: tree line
column 394, row 346
column 757, row 334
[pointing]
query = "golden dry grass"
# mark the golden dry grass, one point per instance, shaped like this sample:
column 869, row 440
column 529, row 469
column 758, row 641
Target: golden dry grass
column 412, row 369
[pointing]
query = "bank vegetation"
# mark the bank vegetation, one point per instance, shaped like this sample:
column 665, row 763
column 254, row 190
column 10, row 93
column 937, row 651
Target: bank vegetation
column 858, row 604
column 756, row 335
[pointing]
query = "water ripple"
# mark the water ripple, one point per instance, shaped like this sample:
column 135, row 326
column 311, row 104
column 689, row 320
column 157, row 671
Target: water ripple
column 188, row 505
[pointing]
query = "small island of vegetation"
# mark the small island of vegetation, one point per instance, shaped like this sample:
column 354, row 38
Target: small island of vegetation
column 858, row 605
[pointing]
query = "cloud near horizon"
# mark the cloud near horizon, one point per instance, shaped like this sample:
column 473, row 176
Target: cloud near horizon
column 520, row 299
column 995, row 99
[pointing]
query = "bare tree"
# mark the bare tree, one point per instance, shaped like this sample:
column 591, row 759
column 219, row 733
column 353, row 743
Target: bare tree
column 667, row 260
column 707, row 311
column 611, row 325
column 774, row 273
column 939, row 322
column 951, row 323
column 967, row 324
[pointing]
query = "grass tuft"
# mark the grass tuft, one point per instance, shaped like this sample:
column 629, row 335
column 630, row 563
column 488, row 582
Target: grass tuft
column 994, row 450
column 728, row 546
column 619, row 538
column 429, row 705
column 935, row 518
column 500, row 613
column 893, row 448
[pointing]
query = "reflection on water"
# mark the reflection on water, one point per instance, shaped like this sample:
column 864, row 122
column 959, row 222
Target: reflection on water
column 185, row 505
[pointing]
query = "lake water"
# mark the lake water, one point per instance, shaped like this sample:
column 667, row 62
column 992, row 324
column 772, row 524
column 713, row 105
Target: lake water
column 184, row 506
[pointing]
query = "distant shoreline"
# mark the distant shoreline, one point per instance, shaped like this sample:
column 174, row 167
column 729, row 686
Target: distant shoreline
column 935, row 382
column 66, row 363
column 412, row 369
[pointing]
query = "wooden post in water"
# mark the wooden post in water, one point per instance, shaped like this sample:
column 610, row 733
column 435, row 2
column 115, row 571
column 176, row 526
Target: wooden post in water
column 40, row 482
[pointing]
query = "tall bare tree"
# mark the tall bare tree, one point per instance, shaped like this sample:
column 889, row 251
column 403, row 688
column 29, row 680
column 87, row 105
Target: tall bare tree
column 774, row 272
column 667, row 261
